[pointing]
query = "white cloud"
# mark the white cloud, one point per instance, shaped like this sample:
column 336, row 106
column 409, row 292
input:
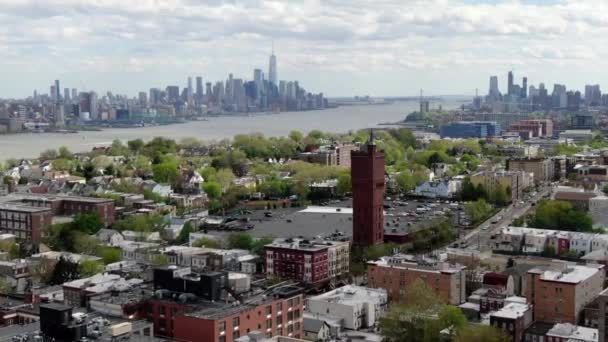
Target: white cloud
column 105, row 40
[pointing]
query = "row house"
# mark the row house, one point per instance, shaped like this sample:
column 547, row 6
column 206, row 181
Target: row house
column 311, row 262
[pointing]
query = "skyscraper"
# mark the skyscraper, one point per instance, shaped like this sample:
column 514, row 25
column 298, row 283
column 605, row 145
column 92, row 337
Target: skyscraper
column 57, row 91
column 258, row 79
column 189, row 91
column 524, row 88
column 510, row 84
column 272, row 68
column 199, row 89
column 74, row 94
column 367, row 173
column 66, row 95
column 53, row 93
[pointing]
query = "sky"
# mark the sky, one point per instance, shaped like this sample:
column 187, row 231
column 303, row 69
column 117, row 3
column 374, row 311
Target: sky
column 338, row 47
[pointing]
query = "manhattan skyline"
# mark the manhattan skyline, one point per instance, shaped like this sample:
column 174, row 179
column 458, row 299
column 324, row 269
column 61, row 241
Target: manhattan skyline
column 339, row 48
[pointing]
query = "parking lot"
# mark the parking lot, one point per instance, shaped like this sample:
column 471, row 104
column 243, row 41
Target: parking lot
column 400, row 215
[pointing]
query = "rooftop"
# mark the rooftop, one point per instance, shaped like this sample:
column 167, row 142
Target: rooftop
column 404, row 261
column 303, row 244
column 352, row 295
column 512, row 311
column 575, row 332
column 572, row 274
column 218, row 310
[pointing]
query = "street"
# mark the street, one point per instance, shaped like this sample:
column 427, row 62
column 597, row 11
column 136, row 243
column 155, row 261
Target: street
column 480, row 239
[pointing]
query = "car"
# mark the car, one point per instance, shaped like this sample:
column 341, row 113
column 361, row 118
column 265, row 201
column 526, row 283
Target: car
column 484, row 228
column 268, row 214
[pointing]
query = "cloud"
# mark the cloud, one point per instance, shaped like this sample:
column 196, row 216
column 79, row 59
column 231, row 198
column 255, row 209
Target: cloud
column 348, row 38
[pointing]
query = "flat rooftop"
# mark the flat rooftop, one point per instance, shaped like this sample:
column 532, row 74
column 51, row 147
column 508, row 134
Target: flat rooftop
column 403, row 261
column 572, row 274
column 511, row 311
column 569, row 331
column 352, row 295
column 22, row 208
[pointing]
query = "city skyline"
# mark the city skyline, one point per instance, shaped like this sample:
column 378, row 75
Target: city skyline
column 340, row 49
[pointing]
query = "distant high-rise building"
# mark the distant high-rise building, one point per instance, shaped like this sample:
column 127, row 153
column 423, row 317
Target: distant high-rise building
column 143, row 99
column 593, row 95
column 59, row 115
column 199, row 89
column 282, row 88
column 74, row 94
column 94, row 106
column 66, row 95
column 510, row 83
column 190, row 93
column 53, row 93
column 367, row 173
column 493, row 93
column 172, row 93
column 524, row 87
column 258, row 79
column 272, row 69
column 57, row 91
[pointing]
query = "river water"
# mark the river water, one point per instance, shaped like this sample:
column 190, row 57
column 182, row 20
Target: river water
column 335, row 120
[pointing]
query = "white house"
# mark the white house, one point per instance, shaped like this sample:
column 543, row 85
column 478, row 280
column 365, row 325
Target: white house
column 359, row 307
column 581, row 243
column 439, row 188
column 109, row 237
column 535, row 241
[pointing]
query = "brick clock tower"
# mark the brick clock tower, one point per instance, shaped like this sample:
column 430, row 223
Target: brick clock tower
column 367, row 173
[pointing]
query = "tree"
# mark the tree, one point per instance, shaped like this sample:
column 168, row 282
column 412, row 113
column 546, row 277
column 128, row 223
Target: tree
column 477, row 211
column 159, row 260
column 499, row 195
column 136, row 145
column 184, row 234
column 166, row 172
column 405, row 181
column 85, row 244
column 257, row 246
column 296, row 136
column 65, row 153
column 212, row 189
column 88, row 223
column 208, row 243
column 224, row 177
column 65, row 270
column 240, row 241
column 89, row 268
column 110, row 255
column 49, row 154
column 344, row 183
column 452, row 317
column 117, row 148
column 481, row 333
column 560, row 215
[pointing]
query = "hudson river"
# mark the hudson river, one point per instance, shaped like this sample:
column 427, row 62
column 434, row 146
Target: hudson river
column 336, row 120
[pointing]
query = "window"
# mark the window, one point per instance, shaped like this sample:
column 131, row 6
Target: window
column 236, row 322
column 269, row 323
column 279, row 320
column 161, row 310
column 297, row 300
column 269, row 310
column 222, row 338
column 280, row 331
column 290, row 302
column 279, row 306
column 222, row 325
column 290, row 316
column 236, row 334
column 296, row 314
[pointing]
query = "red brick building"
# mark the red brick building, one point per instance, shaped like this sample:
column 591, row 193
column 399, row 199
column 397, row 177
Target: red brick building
column 396, row 274
column 560, row 295
column 25, row 222
column 225, row 323
column 299, row 260
column 367, row 173
column 71, row 205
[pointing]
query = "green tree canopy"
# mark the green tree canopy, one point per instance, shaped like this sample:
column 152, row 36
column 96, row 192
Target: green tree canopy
column 240, row 241
column 560, row 215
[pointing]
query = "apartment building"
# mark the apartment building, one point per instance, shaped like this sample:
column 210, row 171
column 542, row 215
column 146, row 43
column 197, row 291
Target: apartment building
column 396, row 273
column 559, row 295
